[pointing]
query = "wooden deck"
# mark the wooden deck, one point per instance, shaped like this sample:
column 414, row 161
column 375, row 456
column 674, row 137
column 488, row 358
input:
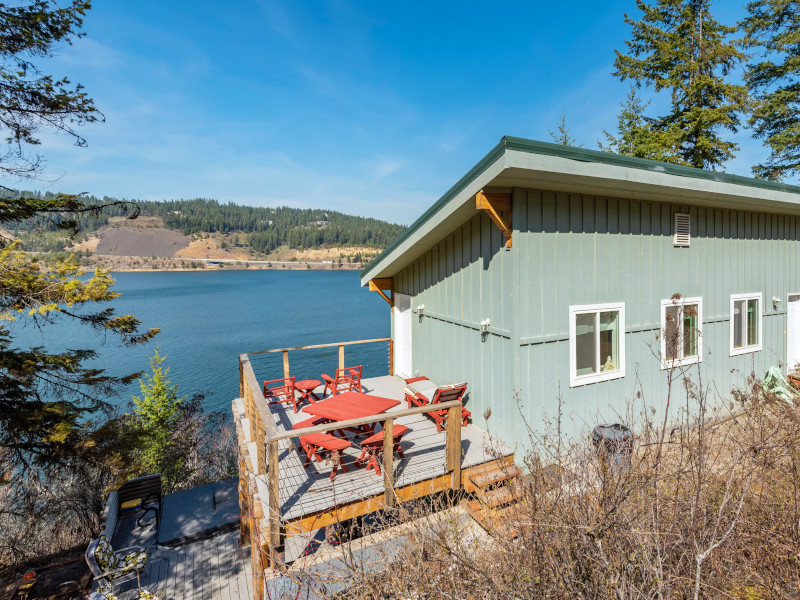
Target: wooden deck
column 212, row 569
column 307, row 495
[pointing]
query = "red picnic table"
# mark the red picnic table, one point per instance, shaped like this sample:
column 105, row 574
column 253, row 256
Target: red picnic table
column 351, row 405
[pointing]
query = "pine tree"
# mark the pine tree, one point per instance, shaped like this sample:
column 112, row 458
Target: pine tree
column 157, row 410
column 29, row 99
column 678, row 46
column 53, row 408
column 773, row 26
column 563, row 136
column 636, row 134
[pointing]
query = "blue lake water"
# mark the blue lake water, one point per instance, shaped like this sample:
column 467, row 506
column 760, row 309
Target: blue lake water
column 208, row 318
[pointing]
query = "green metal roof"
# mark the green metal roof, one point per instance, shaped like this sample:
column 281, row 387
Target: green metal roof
column 578, row 154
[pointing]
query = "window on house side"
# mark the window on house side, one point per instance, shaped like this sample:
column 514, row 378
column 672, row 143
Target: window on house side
column 596, row 343
column 745, row 323
column 681, row 332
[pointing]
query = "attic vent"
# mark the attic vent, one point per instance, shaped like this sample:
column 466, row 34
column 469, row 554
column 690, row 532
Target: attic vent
column 681, row 235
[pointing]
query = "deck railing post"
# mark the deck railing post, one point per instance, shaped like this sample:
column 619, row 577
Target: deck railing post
column 453, row 446
column 248, row 395
column 286, row 364
column 256, row 557
column 258, row 570
column 273, row 485
column 244, row 495
column 391, row 357
column 341, row 356
column 388, row 463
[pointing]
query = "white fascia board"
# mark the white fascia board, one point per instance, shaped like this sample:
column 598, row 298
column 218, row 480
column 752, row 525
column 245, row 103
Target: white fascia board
column 455, row 213
column 525, row 169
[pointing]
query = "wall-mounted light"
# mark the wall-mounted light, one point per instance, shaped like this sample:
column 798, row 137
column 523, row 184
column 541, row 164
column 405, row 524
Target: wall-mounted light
column 776, row 302
column 421, row 310
column 485, row 326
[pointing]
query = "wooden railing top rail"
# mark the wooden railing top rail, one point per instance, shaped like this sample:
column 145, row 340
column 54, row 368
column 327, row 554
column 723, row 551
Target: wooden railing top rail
column 293, row 433
column 335, row 345
column 258, row 396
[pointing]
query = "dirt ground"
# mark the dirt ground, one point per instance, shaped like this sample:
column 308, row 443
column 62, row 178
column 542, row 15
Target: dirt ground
column 210, row 248
column 65, row 579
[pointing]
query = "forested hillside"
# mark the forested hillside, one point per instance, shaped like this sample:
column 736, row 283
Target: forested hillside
column 262, row 229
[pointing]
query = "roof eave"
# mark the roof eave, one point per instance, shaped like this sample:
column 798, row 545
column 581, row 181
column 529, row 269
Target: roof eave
column 516, row 162
column 453, row 206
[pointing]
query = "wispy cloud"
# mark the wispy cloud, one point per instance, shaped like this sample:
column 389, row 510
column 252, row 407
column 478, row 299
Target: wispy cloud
column 385, row 167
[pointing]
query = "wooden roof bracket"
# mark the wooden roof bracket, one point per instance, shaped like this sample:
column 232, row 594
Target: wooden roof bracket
column 498, row 209
column 381, row 284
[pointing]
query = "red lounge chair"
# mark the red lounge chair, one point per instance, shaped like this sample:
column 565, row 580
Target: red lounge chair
column 314, row 444
column 346, row 380
column 444, row 393
column 372, row 448
column 280, row 390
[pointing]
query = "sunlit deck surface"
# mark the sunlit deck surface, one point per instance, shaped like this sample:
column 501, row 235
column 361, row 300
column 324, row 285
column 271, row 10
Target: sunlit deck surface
column 308, row 491
column 210, row 569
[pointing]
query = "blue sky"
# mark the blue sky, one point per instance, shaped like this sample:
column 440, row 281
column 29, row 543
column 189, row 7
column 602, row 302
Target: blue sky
column 369, row 108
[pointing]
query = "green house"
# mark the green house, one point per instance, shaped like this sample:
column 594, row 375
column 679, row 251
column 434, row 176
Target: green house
column 552, row 272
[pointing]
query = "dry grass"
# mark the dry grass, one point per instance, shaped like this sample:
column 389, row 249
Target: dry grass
column 707, row 508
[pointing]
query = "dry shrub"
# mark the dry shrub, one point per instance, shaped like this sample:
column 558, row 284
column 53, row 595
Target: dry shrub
column 707, row 508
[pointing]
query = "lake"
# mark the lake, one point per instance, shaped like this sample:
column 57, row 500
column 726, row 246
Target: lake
column 208, row 318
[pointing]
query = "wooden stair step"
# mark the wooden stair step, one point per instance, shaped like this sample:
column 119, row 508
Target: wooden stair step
column 500, row 522
column 501, row 495
column 475, row 510
column 486, row 478
column 505, row 521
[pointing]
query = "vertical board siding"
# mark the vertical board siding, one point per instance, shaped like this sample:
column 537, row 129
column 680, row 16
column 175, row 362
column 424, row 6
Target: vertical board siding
column 572, row 249
column 623, row 252
column 461, row 281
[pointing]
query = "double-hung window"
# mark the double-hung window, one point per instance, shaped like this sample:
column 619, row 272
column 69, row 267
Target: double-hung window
column 681, row 332
column 745, row 323
column 596, row 343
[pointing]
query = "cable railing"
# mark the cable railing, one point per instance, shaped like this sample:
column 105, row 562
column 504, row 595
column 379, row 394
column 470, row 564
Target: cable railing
column 266, row 434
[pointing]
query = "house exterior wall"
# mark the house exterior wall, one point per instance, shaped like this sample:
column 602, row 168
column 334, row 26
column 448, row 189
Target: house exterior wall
column 576, row 249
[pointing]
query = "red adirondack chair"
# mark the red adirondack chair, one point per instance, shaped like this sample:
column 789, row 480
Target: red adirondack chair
column 346, row 380
column 372, row 448
column 444, row 393
column 280, row 390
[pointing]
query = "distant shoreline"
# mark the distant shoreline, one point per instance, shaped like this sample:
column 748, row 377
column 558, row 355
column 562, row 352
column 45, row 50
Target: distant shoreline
column 211, row 269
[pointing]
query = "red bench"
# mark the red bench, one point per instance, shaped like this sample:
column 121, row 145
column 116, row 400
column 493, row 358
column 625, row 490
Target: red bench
column 315, row 444
column 372, row 447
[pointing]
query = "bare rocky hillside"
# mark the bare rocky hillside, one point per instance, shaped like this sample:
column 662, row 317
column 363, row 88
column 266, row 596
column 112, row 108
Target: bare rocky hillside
column 140, row 241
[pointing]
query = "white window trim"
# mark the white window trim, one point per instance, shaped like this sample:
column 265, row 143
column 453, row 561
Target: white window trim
column 756, row 347
column 577, row 380
column 690, row 360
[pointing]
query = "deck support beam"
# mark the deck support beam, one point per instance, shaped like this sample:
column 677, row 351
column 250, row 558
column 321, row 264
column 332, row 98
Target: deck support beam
column 273, row 485
column 498, row 208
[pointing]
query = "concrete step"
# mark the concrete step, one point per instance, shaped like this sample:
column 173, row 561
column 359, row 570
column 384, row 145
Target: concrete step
column 484, row 479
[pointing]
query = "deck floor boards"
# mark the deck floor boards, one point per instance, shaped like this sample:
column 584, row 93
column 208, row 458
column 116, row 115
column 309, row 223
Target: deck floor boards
column 210, row 569
column 308, row 490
